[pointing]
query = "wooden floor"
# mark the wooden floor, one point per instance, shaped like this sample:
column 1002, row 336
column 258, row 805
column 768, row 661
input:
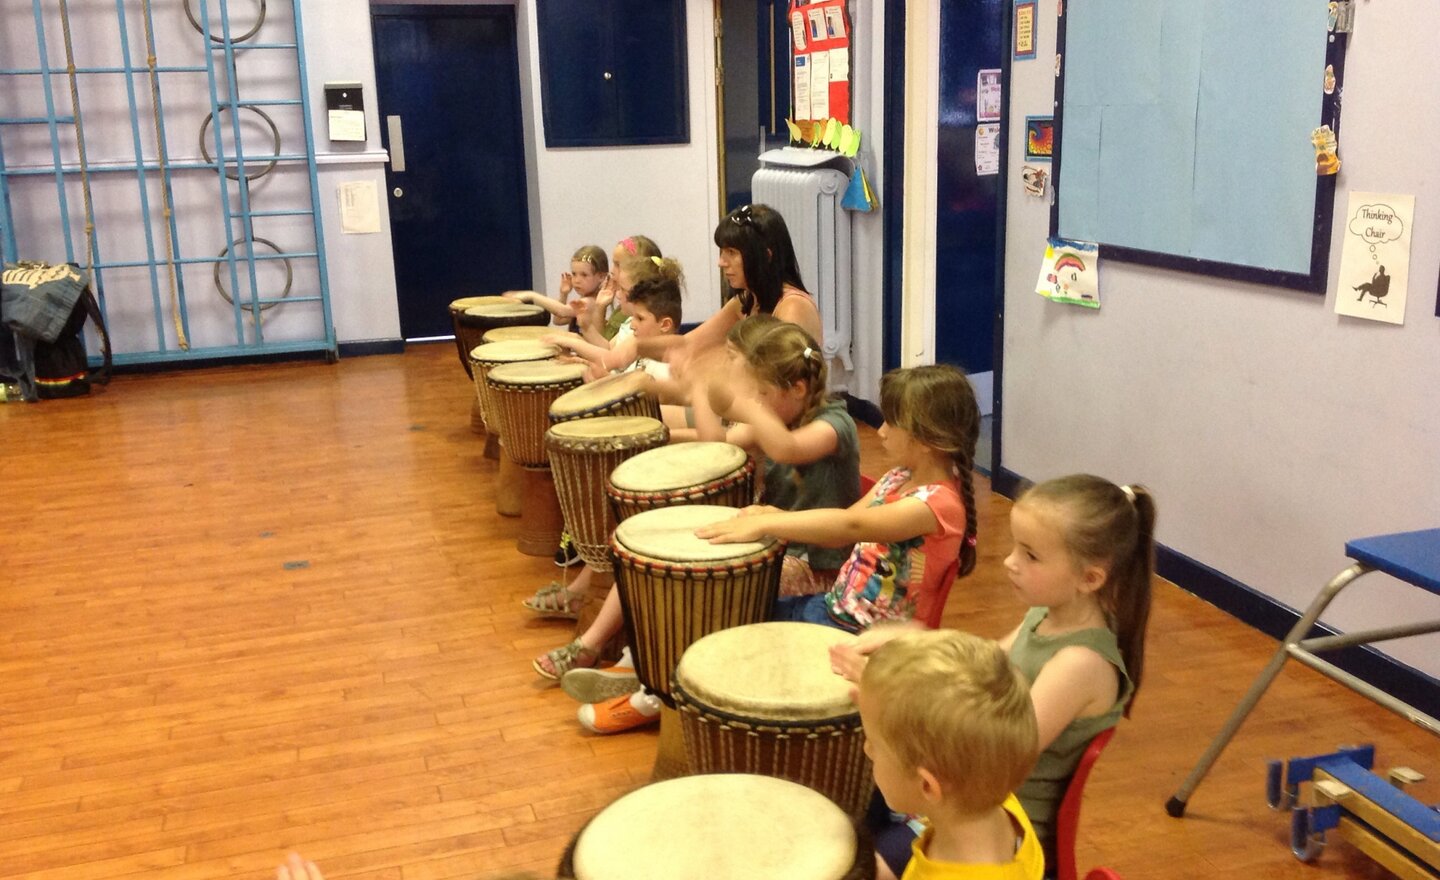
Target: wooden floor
column 250, row 610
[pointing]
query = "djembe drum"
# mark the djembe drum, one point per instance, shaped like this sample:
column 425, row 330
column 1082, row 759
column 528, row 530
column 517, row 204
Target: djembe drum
column 472, row 317
column 483, row 358
column 511, row 334
column 763, row 699
column 676, row 588
column 624, row 394
column 686, row 473
column 583, row 452
column 520, row 396
column 724, row 826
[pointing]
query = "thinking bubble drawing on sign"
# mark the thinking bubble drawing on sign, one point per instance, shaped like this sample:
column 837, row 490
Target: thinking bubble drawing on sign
column 1377, row 224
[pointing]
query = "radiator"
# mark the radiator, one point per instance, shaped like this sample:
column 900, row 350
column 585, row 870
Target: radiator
column 809, row 200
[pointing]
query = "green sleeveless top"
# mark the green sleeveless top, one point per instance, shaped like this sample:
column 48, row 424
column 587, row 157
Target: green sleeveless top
column 1042, row 792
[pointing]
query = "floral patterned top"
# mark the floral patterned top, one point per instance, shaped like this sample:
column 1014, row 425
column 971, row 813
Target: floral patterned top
column 899, row 580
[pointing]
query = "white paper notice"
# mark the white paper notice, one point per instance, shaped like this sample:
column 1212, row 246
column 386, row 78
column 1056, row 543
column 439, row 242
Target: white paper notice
column 987, row 96
column 987, row 149
column 834, row 22
column 802, row 87
column 359, row 207
column 819, row 85
column 817, row 23
column 797, row 29
column 347, row 125
column 1375, row 262
column 839, row 65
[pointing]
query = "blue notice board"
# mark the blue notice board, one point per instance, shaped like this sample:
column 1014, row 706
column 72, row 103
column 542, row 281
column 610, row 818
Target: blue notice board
column 1183, row 134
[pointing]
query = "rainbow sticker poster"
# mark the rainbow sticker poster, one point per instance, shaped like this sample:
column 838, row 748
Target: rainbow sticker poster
column 1070, row 273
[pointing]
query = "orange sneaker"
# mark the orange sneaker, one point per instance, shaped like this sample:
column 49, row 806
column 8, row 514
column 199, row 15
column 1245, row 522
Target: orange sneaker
column 620, row 714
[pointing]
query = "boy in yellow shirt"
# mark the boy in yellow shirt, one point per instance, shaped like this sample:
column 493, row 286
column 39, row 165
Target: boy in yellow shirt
column 951, row 729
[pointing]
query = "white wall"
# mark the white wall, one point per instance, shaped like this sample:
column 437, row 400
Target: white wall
column 338, row 48
column 1270, row 429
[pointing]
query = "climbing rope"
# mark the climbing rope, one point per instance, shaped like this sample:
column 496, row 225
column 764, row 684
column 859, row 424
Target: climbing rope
column 166, row 199
column 80, row 145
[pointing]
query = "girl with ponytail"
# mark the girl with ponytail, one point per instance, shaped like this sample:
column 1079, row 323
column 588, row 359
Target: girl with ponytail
column 1083, row 557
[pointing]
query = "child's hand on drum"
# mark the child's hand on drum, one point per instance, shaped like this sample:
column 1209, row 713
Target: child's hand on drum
column 524, row 296
column 733, row 531
column 296, row 868
column 564, row 340
column 847, row 662
column 754, row 509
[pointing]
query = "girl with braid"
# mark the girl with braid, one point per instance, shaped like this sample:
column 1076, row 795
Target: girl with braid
column 919, row 516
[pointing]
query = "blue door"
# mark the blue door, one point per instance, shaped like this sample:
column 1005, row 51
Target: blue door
column 459, row 218
column 966, row 237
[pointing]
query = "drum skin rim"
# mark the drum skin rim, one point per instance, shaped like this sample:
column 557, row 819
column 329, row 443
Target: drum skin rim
column 643, row 387
column 745, row 464
column 613, row 443
column 712, row 567
column 679, row 493
column 836, row 725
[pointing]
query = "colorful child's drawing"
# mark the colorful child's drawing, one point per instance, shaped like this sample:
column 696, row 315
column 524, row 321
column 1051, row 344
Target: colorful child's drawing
column 1039, row 138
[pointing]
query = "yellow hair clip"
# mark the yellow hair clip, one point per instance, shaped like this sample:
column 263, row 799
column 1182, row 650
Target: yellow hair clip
column 656, row 260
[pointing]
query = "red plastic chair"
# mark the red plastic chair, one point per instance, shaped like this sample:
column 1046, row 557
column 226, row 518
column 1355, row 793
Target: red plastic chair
column 1067, row 820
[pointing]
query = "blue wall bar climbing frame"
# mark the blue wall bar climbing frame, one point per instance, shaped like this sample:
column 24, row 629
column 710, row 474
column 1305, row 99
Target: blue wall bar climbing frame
column 236, row 203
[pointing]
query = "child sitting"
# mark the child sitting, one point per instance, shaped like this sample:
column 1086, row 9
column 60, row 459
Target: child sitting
column 780, row 409
column 589, row 272
column 919, row 516
column 951, row 730
column 651, row 301
column 654, row 305
column 1082, row 560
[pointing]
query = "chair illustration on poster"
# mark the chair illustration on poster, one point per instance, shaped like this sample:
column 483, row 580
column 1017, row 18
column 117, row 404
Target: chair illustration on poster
column 1183, row 135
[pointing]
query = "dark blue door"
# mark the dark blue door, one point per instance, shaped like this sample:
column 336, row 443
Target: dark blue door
column 970, row 40
column 458, row 213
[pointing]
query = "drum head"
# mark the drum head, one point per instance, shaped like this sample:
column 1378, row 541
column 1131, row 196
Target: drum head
column 470, row 302
column 606, row 426
column 536, row 373
column 510, row 334
column 677, row 467
column 599, row 393
column 769, row 671
column 721, row 826
column 506, row 308
column 667, row 534
column 513, row 352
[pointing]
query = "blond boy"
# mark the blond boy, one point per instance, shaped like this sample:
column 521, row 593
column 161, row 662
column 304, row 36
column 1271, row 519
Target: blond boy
column 951, row 729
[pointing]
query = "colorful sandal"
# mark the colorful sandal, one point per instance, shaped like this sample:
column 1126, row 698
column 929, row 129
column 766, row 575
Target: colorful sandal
column 553, row 600
column 554, row 664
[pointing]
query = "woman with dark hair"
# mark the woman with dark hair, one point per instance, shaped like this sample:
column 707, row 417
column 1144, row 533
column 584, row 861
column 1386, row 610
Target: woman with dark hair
column 758, row 259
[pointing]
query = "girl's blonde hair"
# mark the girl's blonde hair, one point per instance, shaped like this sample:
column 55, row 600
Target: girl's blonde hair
column 781, row 354
column 952, row 703
column 594, row 256
column 1113, row 527
column 936, row 405
column 635, row 252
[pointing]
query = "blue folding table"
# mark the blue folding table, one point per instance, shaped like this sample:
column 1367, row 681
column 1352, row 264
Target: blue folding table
column 1413, row 557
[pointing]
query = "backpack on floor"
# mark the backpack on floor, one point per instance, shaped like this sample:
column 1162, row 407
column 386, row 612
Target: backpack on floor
column 46, row 308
